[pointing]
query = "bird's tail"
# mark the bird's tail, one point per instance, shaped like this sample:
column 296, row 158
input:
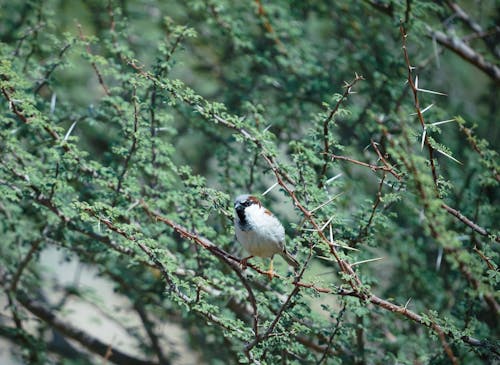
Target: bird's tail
column 290, row 259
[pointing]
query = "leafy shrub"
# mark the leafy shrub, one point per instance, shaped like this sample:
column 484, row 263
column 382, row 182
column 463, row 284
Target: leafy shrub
column 129, row 127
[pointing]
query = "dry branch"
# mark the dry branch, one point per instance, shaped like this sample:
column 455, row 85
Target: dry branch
column 466, row 52
column 91, row 343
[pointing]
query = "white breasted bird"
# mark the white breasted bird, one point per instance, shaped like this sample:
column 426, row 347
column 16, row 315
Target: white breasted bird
column 259, row 231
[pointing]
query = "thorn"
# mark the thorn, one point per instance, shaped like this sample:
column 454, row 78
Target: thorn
column 444, row 121
column 430, row 91
column 327, row 223
column 407, row 302
column 439, row 258
column 365, row 261
column 346, row 247
column 450, row 157
column 424, row 133
column 426, row 108
column 333, row 178
column 270, row 188
column 333, row 243
column 267, row 128
column 68, row 133
column 53, row 103
column 326, row 203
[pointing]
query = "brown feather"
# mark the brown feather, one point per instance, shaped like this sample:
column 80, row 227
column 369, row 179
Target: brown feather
column 255, row 200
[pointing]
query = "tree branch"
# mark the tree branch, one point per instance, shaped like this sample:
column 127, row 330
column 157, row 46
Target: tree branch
column 86, row 340
column 326, row 151
column 463, row 50
column 132, row 147
column 468, row 222
column 475, row 27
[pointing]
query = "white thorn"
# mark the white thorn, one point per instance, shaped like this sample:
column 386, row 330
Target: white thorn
column 270, row 188
column 365, row 261
column 423, row 138
column 53, row 103
column 426, row 108
column 326, row 203
column 431, row 92
column 333, row 178
column 444, row 121
column 439, row 258
column 267, row 128
column 68, row 133
column 327, row 223
column 450, row 157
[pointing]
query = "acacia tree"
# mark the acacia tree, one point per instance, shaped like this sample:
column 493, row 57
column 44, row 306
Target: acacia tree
column 128, row 127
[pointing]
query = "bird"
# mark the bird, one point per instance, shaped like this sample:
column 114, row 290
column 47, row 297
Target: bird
column 260, row 232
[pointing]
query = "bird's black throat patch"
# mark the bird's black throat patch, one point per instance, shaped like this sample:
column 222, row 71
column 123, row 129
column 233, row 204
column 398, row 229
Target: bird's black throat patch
column 243, row 222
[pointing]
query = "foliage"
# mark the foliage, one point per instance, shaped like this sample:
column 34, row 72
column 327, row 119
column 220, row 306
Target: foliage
column 128, row 127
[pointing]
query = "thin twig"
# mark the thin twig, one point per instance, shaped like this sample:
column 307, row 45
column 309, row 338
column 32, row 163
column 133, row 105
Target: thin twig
column 253, row 302
column 51, row 70
column 94, row 66
column 132, row 149
column 468, row 222
column 383, row 159
column 485, row 259
column 23, row 264
column 333, row 334
column 472, row 141
column 414, row 89
column 364, row 230
column 326, row 149
column 372, row 167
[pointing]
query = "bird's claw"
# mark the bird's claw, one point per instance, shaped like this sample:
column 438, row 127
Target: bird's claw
column 270, row 274
column 244, row 262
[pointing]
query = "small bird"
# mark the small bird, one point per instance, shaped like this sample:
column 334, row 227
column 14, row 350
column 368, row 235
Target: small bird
column 259, row 231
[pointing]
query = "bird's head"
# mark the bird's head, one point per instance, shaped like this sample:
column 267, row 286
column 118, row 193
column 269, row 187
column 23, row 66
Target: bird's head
column 244, row 201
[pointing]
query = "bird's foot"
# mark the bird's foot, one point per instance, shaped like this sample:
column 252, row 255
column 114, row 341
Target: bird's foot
column 243, row 262
column 270, row 274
